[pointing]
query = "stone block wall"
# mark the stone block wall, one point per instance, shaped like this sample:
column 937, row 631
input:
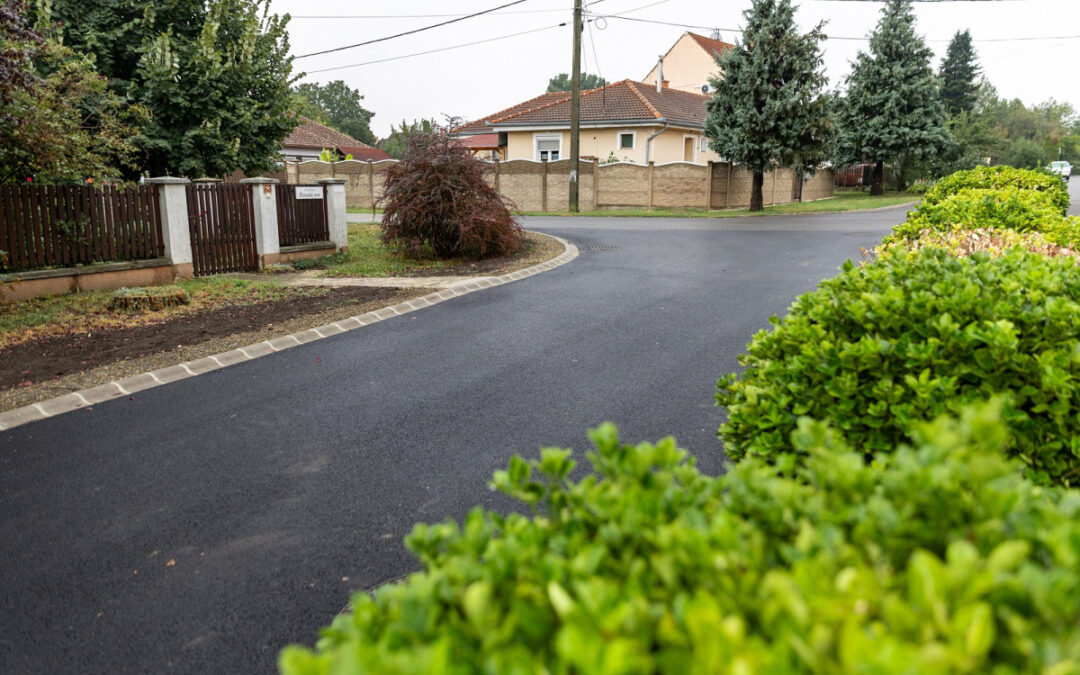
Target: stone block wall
column 680, row 185
column 539, row 186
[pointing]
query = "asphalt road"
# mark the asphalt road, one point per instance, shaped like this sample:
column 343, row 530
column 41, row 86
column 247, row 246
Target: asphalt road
column 201, row 526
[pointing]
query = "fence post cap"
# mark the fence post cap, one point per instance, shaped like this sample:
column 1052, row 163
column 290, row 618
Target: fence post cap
column 331, row 181
column 259, row 180
column 167, row 180
column 207, row 180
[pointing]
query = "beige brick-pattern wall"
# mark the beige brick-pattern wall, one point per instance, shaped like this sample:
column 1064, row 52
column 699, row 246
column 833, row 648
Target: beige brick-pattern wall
column 311, row 171
column 532, row 186
column 819, row 186
column 358, row 182
column 622, row 184
column 680, row 185
column 522, row 181
column 731, row 187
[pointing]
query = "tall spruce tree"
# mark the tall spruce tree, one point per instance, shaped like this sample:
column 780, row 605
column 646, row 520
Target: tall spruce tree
column 959, row 74
column 767, row 104
column 893, row 106
column 215, row 75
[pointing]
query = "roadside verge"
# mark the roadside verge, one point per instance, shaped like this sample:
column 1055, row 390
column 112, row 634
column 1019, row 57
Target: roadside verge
column 130, row 385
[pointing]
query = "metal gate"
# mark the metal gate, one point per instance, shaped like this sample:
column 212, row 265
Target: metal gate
column 222, row 223
column 301, row 212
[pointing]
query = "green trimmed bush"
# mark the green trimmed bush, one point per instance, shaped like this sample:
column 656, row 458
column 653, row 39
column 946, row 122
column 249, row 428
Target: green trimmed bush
column 1001, row 209
column 941, row 558
column 914, row 335
column 1001, row 177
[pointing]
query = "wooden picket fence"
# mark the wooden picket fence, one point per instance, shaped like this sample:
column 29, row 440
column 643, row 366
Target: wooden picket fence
column 301, row 221
column 222, row 226
column 43, row 226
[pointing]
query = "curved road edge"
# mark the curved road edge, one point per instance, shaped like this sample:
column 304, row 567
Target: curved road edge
column 156, row 378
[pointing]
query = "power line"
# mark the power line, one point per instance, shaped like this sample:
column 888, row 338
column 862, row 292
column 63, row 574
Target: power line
column 433, row 51
column 419, row 16
column 839, row 37
column 410, row 32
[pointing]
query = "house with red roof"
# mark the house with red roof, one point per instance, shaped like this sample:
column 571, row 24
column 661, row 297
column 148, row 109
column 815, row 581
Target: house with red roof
column 649, row 121
column 310, row 138
column 689, row 64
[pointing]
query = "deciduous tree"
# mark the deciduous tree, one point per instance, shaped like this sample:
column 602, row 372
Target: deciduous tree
column 767, row 109
column 561, row 82
column 340, row 106
column 214, row 73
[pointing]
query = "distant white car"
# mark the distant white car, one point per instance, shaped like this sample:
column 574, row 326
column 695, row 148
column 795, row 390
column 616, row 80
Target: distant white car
column 1063, row 169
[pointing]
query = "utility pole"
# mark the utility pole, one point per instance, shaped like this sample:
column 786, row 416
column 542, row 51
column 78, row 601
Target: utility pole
column 575, row 110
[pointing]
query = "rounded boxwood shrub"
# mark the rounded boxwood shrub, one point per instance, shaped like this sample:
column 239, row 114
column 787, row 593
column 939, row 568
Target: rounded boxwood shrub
column 437, row 196
column 914, row 335
column 1001, row 177
column 941, row 559
column 969, row 209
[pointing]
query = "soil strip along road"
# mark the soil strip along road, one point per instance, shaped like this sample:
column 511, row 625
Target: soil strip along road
column 202, row 525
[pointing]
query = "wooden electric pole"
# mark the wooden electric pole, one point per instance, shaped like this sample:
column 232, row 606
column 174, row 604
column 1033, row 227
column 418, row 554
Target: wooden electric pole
column 575, row 110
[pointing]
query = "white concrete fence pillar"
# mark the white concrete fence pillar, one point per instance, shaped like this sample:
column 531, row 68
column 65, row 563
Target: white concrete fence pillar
column 264, row 197
column 175, row 226
column 335, row 211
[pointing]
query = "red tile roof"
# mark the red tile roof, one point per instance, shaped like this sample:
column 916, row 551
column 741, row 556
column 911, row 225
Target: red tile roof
column 625, row 101
column 365, row 153
column 714, row 47
column 479, row 141
column 311, row 134
column 480, row 126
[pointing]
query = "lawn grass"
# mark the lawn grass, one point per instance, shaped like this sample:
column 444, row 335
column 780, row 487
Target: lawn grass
column 368, row 257
column 840, row 202
column 87, row 312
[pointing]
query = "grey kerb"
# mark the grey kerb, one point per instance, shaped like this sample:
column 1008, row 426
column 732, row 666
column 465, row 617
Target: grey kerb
column 156, row 378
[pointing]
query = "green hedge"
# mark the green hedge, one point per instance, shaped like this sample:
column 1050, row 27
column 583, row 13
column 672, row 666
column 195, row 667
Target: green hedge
column 914, row 335
column 1002, row 209
column 940, row 559
column 1001, row 177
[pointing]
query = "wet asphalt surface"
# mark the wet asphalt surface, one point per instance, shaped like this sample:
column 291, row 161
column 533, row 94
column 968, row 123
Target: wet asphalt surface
column 201, row 526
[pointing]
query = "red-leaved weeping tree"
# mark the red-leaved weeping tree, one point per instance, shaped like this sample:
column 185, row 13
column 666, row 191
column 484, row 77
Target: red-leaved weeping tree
column 436, row 196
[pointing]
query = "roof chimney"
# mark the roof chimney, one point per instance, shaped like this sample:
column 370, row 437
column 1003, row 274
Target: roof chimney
column 660, row 74
column 666, row 84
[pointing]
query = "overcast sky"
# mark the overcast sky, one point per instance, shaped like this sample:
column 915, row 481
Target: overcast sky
column 1028, row 49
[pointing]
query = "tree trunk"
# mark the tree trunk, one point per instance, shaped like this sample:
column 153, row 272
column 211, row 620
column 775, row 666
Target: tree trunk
column 877, row 179
column 757, row 203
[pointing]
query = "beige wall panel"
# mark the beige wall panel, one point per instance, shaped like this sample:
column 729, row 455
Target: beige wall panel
column 522, row 183
column 622, row 185
column 820, row 186
column 309, row 172
column 680, row 185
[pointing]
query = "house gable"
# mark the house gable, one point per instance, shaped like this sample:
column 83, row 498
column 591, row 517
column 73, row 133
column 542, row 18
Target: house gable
column 690, row 63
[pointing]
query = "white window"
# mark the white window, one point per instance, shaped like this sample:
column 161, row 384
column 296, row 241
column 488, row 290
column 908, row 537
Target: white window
column 548, row 148
column 704, row 144
column 627, row 139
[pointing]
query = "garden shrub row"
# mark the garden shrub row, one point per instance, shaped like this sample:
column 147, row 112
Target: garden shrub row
column 939, row 558
column 912, row 336
column 1001, row 178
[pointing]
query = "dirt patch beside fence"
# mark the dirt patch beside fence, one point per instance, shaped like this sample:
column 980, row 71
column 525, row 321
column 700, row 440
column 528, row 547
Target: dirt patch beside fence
column 37, row 370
